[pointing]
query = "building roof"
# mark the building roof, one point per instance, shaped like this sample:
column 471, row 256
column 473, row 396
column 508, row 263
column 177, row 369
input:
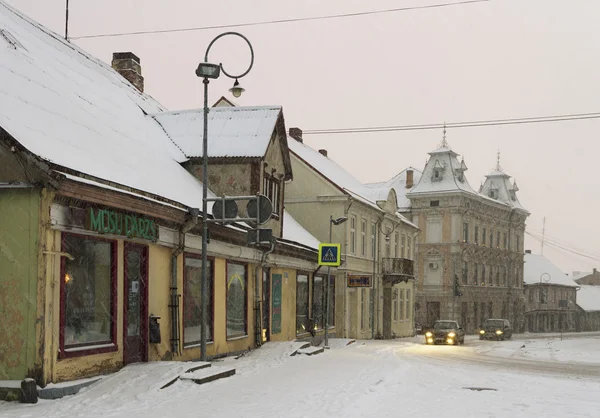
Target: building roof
column 588, row 298
column 538, row 269
column 450, row 174
column 242, row 132
column 337, row 175
column 498, row 186
column 398, row 183
column 293, row 231
column 75, row 111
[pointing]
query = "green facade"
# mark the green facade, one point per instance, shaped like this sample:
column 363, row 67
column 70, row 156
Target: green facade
column 19, row 235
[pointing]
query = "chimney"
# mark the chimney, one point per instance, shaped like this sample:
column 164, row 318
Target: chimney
column 409, row 179
column 296, row 133
column 323, row 152
column 527, row 251
column 595, row 271
column 128, row 65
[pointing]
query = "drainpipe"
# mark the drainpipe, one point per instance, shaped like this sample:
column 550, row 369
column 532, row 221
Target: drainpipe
column 174, row 295
column 258, row 298
column 373, row 298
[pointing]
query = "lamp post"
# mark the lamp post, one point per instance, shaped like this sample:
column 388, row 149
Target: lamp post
column 207, row 71
column 332, row 222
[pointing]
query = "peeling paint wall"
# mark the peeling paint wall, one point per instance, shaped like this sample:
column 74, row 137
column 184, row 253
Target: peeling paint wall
column 19, row 227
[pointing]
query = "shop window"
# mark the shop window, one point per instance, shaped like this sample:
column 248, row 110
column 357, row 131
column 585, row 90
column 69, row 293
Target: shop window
column 318, row 305
column 301, row 303
column 237, row 300
column 88, row 295
column 192, row 300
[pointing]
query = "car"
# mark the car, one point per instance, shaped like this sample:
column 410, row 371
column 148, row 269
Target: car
column 496, row 329
column 445, row 332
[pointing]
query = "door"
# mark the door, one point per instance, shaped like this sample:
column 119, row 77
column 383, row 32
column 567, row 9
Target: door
column 266, row 304
column 433, row 312
column 135, row 306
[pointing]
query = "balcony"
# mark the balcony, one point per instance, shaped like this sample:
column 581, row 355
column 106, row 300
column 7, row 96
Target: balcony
column 397, row 270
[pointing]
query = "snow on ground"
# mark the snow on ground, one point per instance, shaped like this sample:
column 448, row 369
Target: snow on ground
column 578, row 350
column 363, row 379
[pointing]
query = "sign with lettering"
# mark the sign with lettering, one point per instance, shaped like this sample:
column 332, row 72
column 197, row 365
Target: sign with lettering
column 329, row 254
column 359, row 281
column 106, row 221
column 276, row 304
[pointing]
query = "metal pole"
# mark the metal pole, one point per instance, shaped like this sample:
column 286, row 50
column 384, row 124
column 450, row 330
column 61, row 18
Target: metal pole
column 328, row 287
column 67, row 21
column 203, row 278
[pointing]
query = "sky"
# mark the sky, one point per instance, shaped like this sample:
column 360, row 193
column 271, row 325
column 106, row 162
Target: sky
column 490, row 60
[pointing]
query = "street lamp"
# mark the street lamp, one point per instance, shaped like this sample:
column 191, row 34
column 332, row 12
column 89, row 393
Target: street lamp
column 332, row 222
column 207, row 71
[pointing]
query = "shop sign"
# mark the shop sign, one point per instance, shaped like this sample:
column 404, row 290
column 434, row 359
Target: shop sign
column 359, row 281
column 104, row 221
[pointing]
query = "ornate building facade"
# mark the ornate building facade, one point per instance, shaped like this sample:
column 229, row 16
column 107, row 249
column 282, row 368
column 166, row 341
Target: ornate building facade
column 469, row 263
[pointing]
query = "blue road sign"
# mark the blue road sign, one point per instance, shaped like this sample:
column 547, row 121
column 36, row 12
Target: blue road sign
column 329, row 254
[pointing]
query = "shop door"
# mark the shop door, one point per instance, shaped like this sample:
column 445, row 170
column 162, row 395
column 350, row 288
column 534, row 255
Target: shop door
column 266, row 304
column 135, row 312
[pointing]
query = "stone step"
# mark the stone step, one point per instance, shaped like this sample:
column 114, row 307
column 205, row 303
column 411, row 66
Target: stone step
column 200, row 366
column 208, row 374
column 311, row 351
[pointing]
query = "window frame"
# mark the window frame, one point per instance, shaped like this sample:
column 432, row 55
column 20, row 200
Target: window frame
column 246, row 279
column 212, row 324
column 363, row 237
column 78, row 350
column 373, row 233
column 353, row 234
column 308, row 305
column 272, row 189
column 465, row 232
column 320, row 326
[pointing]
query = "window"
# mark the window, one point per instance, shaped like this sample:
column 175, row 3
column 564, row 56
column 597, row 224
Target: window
column 518, row 239
column 271, row 190
column 395, row 304
column 237, row 300
column 483, row 237
column 490, row 310
column 353, row 235
column 408, row 305
column 363, row 237
column 465, row 272
column 397, row 245
column 476, row 235
column 318, row 302
column 475, row 272
column 482, row 274
column 373, row 230
column 498, row 239
column 401, row 302
column 498, row 276
column 301, row 303
column 403, row 247
column 192, row 300
column 88, row 294
column 331, row 301
column 503, row 276
column 491, row 278
column 362, row 309
column 505, row 243
column 491, row 239
column 434, row 203
column 408, row 251
column 465, row 232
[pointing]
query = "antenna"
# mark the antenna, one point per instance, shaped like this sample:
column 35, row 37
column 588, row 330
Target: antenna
column 543, row 234
column 67, row 20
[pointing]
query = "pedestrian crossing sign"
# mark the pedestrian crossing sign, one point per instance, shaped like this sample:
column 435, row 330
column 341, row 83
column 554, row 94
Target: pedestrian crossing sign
column 329, row 254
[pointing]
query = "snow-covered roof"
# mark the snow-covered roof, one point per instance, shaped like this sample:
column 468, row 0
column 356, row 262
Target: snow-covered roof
column 398, row 183
column 338, row 176
column 75, row 111
column 538, row 269
column 498, row 183
column 450, row 174
column 588, row 298
column 580, row 274
column 293, row 231
column 232, row 131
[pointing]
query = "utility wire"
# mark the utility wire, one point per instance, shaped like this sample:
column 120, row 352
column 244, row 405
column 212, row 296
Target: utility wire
column 564, row 248
column 549, row 238
column 290, row 20
column 467, row 124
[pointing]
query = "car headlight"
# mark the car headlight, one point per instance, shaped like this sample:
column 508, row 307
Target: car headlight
column 482, row 332
column 499, row 332
column 452, row 334
column 428, row 334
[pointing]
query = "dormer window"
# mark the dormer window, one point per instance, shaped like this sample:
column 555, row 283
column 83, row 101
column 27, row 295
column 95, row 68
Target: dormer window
column 438, row 171
column 493, row 191
column 460, row 171
column 513, row 191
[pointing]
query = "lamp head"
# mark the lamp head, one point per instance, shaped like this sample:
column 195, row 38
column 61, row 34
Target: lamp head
column 207, row 70
column 339, row 221
column 237, row 90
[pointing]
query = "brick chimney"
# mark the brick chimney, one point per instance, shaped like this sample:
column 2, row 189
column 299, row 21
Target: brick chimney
column 409, row 179
column 296, row 133
column 323, row 152
column 128, row 65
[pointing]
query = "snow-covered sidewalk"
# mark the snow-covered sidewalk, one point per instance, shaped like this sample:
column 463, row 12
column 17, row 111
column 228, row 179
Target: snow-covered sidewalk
column 363, row 379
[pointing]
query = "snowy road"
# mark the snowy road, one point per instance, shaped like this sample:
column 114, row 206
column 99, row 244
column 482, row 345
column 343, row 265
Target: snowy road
column 364, row 379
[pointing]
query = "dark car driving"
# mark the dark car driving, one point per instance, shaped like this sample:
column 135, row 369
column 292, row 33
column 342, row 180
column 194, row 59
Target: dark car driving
column 445, row 332
column 495, row 329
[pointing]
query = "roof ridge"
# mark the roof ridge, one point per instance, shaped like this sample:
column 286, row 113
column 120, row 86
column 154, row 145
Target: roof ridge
column 219, row 109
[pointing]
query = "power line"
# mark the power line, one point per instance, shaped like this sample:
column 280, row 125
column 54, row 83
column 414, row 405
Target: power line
column 563, row 248
column 561, row 242
column 467, row 124
column 290, row 20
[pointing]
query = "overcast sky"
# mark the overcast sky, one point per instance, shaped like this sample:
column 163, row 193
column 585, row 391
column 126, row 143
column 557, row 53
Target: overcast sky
column 491, row 60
